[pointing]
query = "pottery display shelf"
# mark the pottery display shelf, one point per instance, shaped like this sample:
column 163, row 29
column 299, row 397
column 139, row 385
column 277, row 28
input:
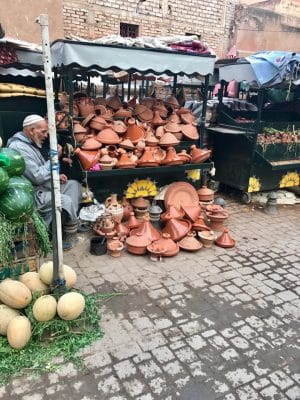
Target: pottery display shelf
column 162, row 169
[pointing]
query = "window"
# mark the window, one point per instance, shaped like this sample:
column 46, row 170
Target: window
column 193, row 34
column 129, row 30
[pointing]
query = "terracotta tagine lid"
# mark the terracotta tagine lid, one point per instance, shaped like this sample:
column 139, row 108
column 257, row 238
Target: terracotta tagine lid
column 86, row 106
column 159, row 154
column 97, row 123
column 137, row 244
column 186, row 158
column 192, row 212
column 125, row 161
column 108, row 115
column 157, row 120
column 205, row 194
column 190, row 243
column 200, row 225
column 78, row 128
column 123, row 113
column 178, row 135
column 88, row 119
column 147, row 158
column 190, row 131
column 91, row 144
column 199, row 155
column 174, row 118
column 187, row 118
column 132, row 222
column 119, row 127
column 172, row 157
column 214, row 208
column 147, row 102
column 127, row 144
column 156, row 250
column 151, row 140
column 183, row 110
column 114, row 102
column 207, row 238
column 143, row 113
column 172, row 212
column 177, row 228
column 172, row 127
column 106, row 159
column 172, row 248
column 132, row 102
column 159, row 132
column 168, row 139
column 108, row 136
column 147, row 230
column 140, row 203
column 88, row 158
column 225, row 240
column 216, row 220
column 134, row 132
column 99, row 101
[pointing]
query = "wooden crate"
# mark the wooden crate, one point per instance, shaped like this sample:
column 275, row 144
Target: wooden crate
column 19, row 267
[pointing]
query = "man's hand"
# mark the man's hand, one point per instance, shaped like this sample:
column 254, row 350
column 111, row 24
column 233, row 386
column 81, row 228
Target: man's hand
column 63, row 178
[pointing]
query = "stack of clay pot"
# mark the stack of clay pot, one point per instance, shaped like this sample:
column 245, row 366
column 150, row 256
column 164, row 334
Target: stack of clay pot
column 144, row 134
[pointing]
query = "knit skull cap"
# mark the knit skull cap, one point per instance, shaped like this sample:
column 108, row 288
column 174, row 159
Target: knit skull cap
column 32, row 119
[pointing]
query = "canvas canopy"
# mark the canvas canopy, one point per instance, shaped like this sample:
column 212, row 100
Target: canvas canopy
column 86, row 55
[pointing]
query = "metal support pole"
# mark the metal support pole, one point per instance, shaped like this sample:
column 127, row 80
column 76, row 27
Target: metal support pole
column 58, row 276
column 174, row 84
column 203, row 113
column 129, row 86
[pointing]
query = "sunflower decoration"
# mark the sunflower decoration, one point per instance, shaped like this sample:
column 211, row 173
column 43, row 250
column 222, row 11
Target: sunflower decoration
column 141, row 188
column 289, row 180
column 193, row 174
column 254, row 185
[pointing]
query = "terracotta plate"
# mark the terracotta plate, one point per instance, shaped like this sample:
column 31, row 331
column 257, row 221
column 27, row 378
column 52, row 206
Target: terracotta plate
column 181, row 194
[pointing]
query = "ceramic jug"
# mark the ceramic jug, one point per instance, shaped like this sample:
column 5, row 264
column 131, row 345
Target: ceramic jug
column 112, row 206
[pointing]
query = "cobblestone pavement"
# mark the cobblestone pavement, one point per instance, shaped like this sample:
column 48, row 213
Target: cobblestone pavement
column 218, row 324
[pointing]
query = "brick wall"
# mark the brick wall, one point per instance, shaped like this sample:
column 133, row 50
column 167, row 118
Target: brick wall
column 95, row 18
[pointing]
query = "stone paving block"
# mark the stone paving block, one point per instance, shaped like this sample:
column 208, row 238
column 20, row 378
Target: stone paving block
column 287, row 295
column 97, row 360
column 173, row 368
column 239, row 376
column 247, row 393
column 162, row 323
column 141, row 357
column 185, row 355
column 230, row 355
column 149, row 369
column 163, row 354
column 192, row 327
column 159, row 386
column 134, row 387
column 260, row 383
column 281, row 379
column 108, row 386
column 151, row 341
column 272, row 393
column 196, row 342
column 125, row 369
column 293, row 393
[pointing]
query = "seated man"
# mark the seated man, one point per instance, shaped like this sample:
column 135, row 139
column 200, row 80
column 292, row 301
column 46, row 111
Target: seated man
column 29, row 143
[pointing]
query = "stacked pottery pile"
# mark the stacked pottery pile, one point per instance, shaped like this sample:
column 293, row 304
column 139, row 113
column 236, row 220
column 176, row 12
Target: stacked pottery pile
column 185, row 224
column 147, row 132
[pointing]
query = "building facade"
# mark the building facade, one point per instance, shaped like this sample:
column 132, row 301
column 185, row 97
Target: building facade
column 211, row 21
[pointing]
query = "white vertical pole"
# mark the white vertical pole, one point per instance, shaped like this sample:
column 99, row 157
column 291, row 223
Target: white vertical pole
column 57, row 253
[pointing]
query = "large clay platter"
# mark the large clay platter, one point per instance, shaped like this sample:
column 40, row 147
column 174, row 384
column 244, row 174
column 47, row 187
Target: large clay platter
column 181, row 194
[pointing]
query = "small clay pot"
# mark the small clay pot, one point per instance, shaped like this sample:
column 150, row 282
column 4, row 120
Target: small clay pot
column 207, row 238
column 137, row 244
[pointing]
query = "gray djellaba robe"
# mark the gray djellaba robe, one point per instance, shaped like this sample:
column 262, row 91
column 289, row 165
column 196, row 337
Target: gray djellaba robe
column 37, row 170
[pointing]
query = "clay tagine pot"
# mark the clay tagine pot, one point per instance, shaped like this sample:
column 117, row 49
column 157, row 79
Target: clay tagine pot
column 114, row 102
column 172, row 127
column 171, row 157
column 199, row 155
column 91, row 144
column 147, row 159
column 85, row 106
column 115, row 246
column 134, row 132
column 172, row 212
column 177, row 228
column 163, row 112
column 172, row 102
column 216, row 220
column 205, row 194
column 137, row 244
column 168, row 139
column 225, row 240
column 190, row 243
column 97, row 123
column 119, row 127
column 186, row 158
column 157, row 120
column 187, row 118
column 123, row 113
column 88, row 158
column 190, row 132
column 200, row 225
column 125, row 161
column 207, row 238
column 151, row 140
column 192, row 212
column 169, row 244
column 122, row 230
column 127, row 144
column 108, row 136
column 132, row 222
column 156, row 251
column 147, row 230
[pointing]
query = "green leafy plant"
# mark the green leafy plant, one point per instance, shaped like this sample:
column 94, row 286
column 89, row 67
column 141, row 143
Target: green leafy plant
column 52, row 339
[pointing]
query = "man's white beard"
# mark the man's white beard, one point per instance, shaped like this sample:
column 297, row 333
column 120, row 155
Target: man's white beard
column 37, row 142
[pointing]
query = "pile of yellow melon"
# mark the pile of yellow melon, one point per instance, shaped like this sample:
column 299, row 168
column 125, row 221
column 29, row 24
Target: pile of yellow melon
column 16, row 295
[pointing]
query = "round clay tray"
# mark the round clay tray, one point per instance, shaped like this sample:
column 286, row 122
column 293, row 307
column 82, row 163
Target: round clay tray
column 199, row 246
column 181, row 194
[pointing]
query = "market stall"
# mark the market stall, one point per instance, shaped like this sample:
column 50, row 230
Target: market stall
column 70, row 58
column 256, row 143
